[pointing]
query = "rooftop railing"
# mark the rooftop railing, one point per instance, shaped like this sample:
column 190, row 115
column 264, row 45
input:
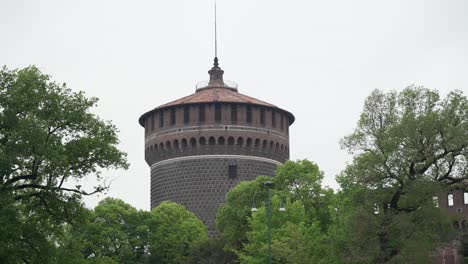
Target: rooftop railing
column 225, row 84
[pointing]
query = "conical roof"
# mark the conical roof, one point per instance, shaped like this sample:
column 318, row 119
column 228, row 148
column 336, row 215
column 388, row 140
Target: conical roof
column 216, row 91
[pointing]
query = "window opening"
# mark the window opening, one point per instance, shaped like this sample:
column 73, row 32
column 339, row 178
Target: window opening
column 217, row 113
column 201, row 113
column 249, row 114
column 173, row 116
column 262, row 116
column 161, row 119
column 450, row 199
column 234, row 113
column 273, row 118
column 186, row 114
column 232, row 170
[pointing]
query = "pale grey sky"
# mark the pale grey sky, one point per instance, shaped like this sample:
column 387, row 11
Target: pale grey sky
column 317, row 59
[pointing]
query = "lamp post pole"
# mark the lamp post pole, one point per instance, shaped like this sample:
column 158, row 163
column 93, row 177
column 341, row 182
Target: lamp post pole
column 268, row 186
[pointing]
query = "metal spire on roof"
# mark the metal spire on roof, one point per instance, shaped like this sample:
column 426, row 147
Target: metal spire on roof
column 216, row 33
column 216, row 74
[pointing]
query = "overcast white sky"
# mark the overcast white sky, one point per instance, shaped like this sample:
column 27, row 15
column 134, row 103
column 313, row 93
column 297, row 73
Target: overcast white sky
column 316, row 59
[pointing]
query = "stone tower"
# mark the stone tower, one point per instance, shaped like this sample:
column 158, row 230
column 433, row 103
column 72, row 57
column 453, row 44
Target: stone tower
column 200, row 146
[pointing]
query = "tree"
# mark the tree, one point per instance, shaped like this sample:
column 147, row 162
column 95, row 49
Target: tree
column 295, row 182
column 174, row 232
column 116, row 230
column 295, row 239
column 211, row 252
column 49, row 140
column 407, row 147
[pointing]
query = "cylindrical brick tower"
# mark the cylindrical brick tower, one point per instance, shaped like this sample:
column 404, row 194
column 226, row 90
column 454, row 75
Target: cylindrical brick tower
column 202, row 145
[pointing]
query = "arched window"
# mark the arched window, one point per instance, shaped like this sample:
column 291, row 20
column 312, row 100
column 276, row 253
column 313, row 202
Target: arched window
column 161, row 146
column 221, row 141
column 240, row 141
column 151, row 148
column 193, row 142
column 176, row 144
column 265, row 144
column 202, row 141
column 257, row 143
column 282, row 147
column 168, row 145
column 277, row 146
column 155, row 147
column 272, row 144
column 231, row 141
column 249, row 142
column 212, row 141
column 184, row 143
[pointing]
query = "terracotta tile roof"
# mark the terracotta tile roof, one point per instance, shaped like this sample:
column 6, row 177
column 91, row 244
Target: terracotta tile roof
column 211, row 95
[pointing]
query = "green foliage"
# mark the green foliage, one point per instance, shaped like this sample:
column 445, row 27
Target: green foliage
column 115, row 230
column 408, row 147
column 211, row 252
column 232, row 216
column 48, row 139
column 298, row 183
column 174, row 232
column 294, row 238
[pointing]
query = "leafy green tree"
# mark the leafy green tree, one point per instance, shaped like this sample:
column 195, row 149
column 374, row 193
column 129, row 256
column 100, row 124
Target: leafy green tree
column 211, row 252
column 295, row 182
column 295, row 239
column 408, row 147
column 49, row 140
column 174, row 232
column 115, row 230
column 232, row 216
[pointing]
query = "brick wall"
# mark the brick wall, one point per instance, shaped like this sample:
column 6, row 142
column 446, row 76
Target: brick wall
column 200, row 184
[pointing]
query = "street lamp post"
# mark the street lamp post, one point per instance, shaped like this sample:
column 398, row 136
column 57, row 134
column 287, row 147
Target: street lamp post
column 268, row 185
column 254, row 209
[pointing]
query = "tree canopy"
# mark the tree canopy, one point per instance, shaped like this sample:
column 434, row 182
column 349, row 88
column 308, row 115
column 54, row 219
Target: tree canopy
column 408, row 147
column 49, row 140
column 298, row 185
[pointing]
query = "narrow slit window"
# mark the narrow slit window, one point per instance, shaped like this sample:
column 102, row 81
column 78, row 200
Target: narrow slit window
column 234, row 113
column 273, row 118
column 201, row 113
column 232, row 170
column 173, row 116
column 186, row 114
column 217, row 113
column 262, row 116
column 281, row 121
column 161, row 119
column 249, row 114
column 450, row 199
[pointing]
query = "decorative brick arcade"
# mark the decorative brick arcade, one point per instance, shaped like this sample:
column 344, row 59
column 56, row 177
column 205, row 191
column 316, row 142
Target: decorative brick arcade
column 202, row 145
